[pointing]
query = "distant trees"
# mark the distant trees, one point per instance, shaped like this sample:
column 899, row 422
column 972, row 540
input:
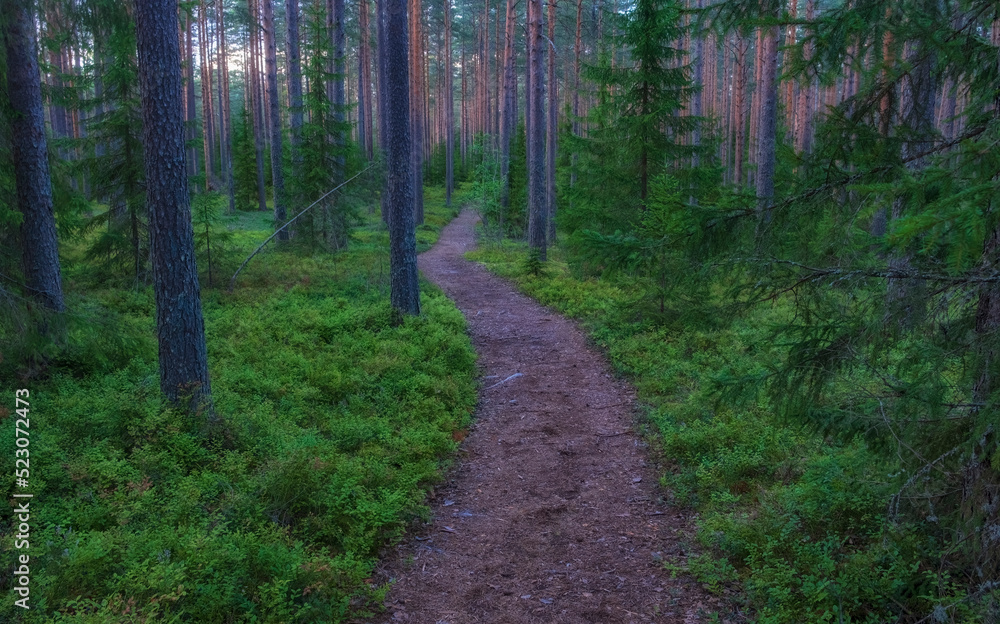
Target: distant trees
column 179, row 325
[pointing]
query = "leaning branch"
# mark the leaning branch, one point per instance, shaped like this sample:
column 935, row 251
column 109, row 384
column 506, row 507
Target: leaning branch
column 232, row 281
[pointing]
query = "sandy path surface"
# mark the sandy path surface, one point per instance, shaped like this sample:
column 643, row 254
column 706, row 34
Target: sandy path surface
column 551, row 514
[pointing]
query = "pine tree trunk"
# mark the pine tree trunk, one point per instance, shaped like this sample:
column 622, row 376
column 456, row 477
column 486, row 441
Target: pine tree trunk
column 207, row 116
column 339, row 76
column 803, row 116
column 768, row 122
column 553, row 111
column 536, row 134
column 39, row 245
column 179, row 326
column 790, row 85
column 416, row 114
column 294, row 60
column 405, row 294
column 577, row 52
column 365, row 128
column 449, row 110
column 509, row 120
column 255, row 105
column 380, row 31
column 189, row 98
column 739, row 109
column 271, row 70
column 697, row 80
column 226, row 110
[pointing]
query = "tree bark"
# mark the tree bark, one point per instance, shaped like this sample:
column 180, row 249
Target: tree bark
column 768, row 122
column 226, row 110
column 449, row 110
column 536, row 133
column 294, row 60
column 739, row 108
column 179, row 325
column 271, row 71
column 803, row 116
column 365, row 127
column 404, row 289
column 189, row 100
column 39, row 245
column 207, row 115
column 553, row 110
column 509, row 117
column 256, row 104
column 339, row 76
column 416, row 112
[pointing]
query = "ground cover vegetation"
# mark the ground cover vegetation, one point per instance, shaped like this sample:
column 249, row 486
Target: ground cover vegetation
column 337, row 419
column 798, row 272
column 779, row 220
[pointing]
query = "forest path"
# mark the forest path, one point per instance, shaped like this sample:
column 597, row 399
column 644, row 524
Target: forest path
column 551, row 514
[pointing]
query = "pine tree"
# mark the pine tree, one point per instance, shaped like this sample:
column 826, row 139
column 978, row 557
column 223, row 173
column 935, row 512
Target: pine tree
column 635, row 126
column 179, row 325
column 39, row 247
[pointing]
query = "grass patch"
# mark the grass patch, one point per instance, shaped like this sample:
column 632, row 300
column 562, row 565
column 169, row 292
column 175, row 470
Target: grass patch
column 337, row 421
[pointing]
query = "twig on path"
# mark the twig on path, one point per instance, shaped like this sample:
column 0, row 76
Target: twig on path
column 611, row 435
column 504, row 381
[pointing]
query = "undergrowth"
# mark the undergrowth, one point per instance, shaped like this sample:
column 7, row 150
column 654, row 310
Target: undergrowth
column 336, row 421
column 793, row 523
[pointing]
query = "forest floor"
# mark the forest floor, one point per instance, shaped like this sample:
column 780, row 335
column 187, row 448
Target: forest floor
column 552, row 513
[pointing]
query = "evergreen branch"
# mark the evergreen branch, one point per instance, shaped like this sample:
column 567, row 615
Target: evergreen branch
column 817, row 273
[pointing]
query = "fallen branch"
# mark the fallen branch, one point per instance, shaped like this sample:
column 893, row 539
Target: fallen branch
column 505, row 380
column 232, row 281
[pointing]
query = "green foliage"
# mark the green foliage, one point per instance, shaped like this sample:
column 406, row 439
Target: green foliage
column 244, row 163
column 209, row 238
column 797, row 518
column 336, row 421
column 113, row 166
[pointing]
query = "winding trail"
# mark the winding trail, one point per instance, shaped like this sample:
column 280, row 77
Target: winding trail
column 552, row 514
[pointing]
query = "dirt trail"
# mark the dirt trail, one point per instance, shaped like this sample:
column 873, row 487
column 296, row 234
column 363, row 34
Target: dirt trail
column 552, row 513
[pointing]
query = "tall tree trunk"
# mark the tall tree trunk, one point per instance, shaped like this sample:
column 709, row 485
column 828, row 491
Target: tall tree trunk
column 739, row 108
column 179, row 325
column 790, row 84
column 339, row 76
column 294, row 60
column 553, row 111
column 509, row 120
column 768, row 122
column 536, row 134
column 803, row 116
column 207, row 113
column 365, row 128
column 189, row 98
column 226, row 110
column 449, row 110
column 256, row 105
column 404, row 290
column 271, row 70
column 697, row 97
column 39, row 246
column 416, row 111
column 577, row 52
column 464, row 115
column 380, row 30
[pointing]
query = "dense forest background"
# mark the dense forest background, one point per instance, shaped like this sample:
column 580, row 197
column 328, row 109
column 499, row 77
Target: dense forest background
column 778, row 220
